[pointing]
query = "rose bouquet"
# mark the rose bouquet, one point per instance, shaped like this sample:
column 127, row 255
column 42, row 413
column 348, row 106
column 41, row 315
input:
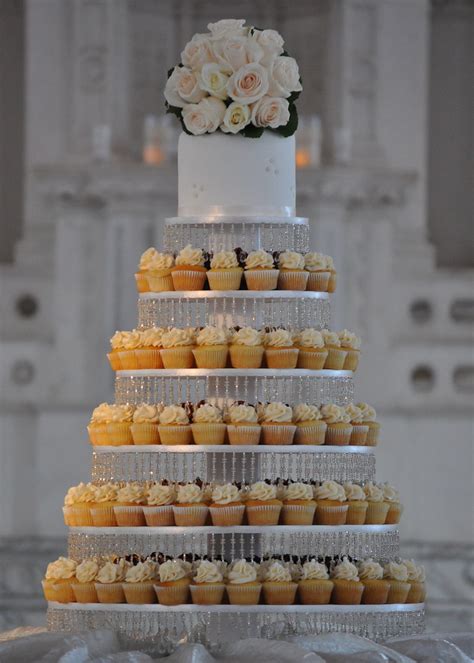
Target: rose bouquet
column 236, row 79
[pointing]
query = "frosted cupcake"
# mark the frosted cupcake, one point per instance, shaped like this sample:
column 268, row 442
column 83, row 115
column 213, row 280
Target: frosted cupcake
column 97, row 428
column 190, row 508
column 292, row 271
column 189, row 272
column 336, row 353
column 144, row 428
column 177, row 348
column 129, row 508
column 260, row 271
column 316, row 265
column 109, row 581
column 105, row 499
column 312, row 351
column 243, row 587
column 395, row 509
column 148, row 353
column 279, row 349
column 350, row 342
column 123, row 355
column 225, row 272
column 174, row 427
column 331, row 503
column 397, row 574
column 333, row 277
column 278, row 585
column 298, row 504
column 154, row 272
column 357, row 504
column 348, row 589
column 376, row 589
column 208, row 425
column 58, row 580
column 84, row 583
column 339, row 430
column 277, row 424
column 359, row 428
column 77, row 505
column 310, row 427
column 368, row 417
column 116, row 346
column 416, row 578
column 314, row 586
column 262, row 505
column 246, row 348
column 377, row 509
column 207, row 587
column 242, row 424
column 173, row 583
column 226, row 506
column 158, row 510
column 139, row 581
column 211, row 348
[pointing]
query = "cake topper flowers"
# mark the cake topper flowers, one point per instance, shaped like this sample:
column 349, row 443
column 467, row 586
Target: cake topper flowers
column 236, row 79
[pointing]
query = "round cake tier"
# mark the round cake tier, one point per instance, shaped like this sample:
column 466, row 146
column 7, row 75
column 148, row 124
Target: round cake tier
column 251, row 233
column 220, row 624
column 360, row 541
column 232, row 463
column 252, row 385
column 277, row 308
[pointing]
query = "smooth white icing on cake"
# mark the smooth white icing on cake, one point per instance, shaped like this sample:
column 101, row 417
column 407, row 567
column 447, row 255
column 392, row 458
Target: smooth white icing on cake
column 233, row 175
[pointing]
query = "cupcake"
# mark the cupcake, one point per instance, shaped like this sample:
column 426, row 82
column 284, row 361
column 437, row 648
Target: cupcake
column 190, row 508
column 105, row 499
column 123, row 356
column 173, row 583
column 278, row 585
column 226, row 506
column 174, row 427
column 316, row 266
column 298, row 504
column 368, row 417
column 148, row 353
column 144, row 428
column 225, row 272
column 333, row 277
column 118, row 425
column 397, row 574
column 351, row 343
column 158, row 510
column 312, row 352
column 97, row 427
column 277, row 423
column 336, row 354
column 314, row 586
column 177, row 348
column 77, row 505
column 292, row 272
column 348, row 589
column 242, row 424
column 331, row 503
column 129, row 507
column 376, row 589
column 109, row 581
column 139, row 581
column 260, row 272
column 359, row 429
column 262, row 505
column 339, row 430
column 189, row 271
column 207, row 587
column 377, row 509
column 310, row 427
column 279, row 349
column 58, row 580
column 208, row 425
column 154, row 272
column 246, row 348
column 243, row 587
column 357, row 504
column 84, row 583
column 416, row 578
column 395, row 509
column 211, row 348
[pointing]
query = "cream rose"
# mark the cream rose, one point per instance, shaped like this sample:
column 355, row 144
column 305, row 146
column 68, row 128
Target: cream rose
column 204, row 117
column 227, row 27
column 213, row 79
column 270, row 112
column 271, row 42
column 248, row 84
column 235, row 52
column 236, row 117
column 285, row 77
column 198, row 52
column 182, row 88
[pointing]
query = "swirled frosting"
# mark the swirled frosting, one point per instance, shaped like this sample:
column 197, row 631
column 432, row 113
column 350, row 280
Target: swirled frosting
column 309, row 338
column 242, row 572
column 129, row 340
column 208, row 413
column 305, row 412
column 416, row 573
column 176, row 337
column 112, row 572
column 171, row 570
column 101, row 414
column 329, row 263
column 159, row 494
column 278, row 338
column 117, row 340
column 370, row 570
column 331, row 338
column 291, row 260
column 225, row 494
column 315, row 262
column 131, row 492
column 174, row 414
column 246, row 336
column 259, row 260
column 313, row 570
column 61, row 569
column 80, row 494
column 373, row 493
column 354, row 492
column 390, row 494
column 277, row 413
column 242, row 414
column 349, row 339
column 212, row 336
column 330, row 490
column 142, row 572
column 354, row 413
column 298, row 491
column 189, row 493
column 153, row 261
column 224, row 260
column 261, row 491
column 151, row 337
column 208, row 572
column 276, row 572
column 345, row 570
column 87, row 570
column 190, row 256
column 147, row 413
column 332, row 413
column 368, row 412
column 107, row 492
column 396, row 571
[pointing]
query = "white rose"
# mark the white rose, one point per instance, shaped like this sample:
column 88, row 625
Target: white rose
column 270, row 112
column 227, row 27
column 285, row 77
column 182, row 88
column 236, row 117
column 214, row 80
column 235, row 52
column 204, row 117
column 197, row 52
column 248, row 84
column 272, row 43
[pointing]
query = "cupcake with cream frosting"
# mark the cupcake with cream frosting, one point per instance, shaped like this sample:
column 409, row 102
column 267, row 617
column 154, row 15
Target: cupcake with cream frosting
column 129, row 508
column 158, row 510
column 123, row 346
column 83, row 585
column 177, row 347
column 138, row 583
column 279, row 349
column 336, row 353
column 225, row 272
column 293, row 275
column 78, row 502
column 312, row 351
column 369, row 419
column 154, row 271
column 190, row 508
column 148, row 353
column 277, row 423
column 339, row 428
column 392, row 497
column 211, row 348
column 359, row 428
column 226, row 506
column 243, row 427
column 144, row 428
column 331, row 503
column 310, row 427
column 172, row 586
column 174, row 427
column 298, row 504
column 262, row 505
column 377, row 508
column 416, row 578
column 260, row 271
column 317, row 267
column 105, row 499
column 278, row 585
column 376, row 589
column 243, row 586
column 350, row 342
column 58, row 580
column 208, row 425
column 104, row 428
column 189, row 271
column 246, row 348
column 314, row 585
column 333, row 274
column 397, row 574
column 109, row 581
column 357, row 504
column 207, row 587
column 348, row 589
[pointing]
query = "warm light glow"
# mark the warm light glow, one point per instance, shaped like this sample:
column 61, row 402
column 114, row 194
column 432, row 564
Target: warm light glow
column 303, row 158
column 153, row 155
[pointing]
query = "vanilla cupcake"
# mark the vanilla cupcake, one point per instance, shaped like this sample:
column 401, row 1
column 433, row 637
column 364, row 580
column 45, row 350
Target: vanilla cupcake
column 139, row 581
column 298, row 504
column 177, row 347
column 211, row 348
column 314, row 585
column 116, row 347
column 376, row 589
column 208, row 425
column 339, row 430
column 359, row 428
column 226, row 506
column 333, row 278
column 278, row 585
column 190, row 508
column 58, row 580
column 173, row 583
column 246, row 348
column 189, row 271
column 317, row 267
column 154, row 272
column 331, row 504
column 416, row 578
column 78, row 502
column 350, row 342
column 348, row 589
column 397, row 574
column 310, row 427
column 145, row 429
column 207, row 587
column 174, row 427
column 109, row 581
column 97, row 428
column 395, row 509
column 277, row 424
column 84, row 584
column 102, row 511
column 260, row 271
column 242, row 424
column 377, row 508
column 225, row 272
column 312, row 351
column 368, row 418
column 243, row 586
column 292, row 271
column 148, row 353
column 336, row 353
column 262, row 505
column 279, row 349
column 110, row 425
column 357, row 504
column 129, row 508
column 158, row 510
column 124, row 345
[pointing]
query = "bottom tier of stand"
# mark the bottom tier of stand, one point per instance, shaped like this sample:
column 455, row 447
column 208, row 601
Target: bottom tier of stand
column 213, row 625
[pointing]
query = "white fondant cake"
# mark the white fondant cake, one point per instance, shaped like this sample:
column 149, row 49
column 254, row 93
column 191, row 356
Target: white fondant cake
column 223, row 175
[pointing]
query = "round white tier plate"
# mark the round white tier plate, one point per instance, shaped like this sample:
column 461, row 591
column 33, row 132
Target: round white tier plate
column 235, row 372
column 235, row 294
column 240, row 448
column 228, row 219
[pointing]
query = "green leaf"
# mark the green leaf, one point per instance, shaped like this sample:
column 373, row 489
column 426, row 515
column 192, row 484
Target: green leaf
column 292, row 124
column 174, row 110
column 251, row 131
